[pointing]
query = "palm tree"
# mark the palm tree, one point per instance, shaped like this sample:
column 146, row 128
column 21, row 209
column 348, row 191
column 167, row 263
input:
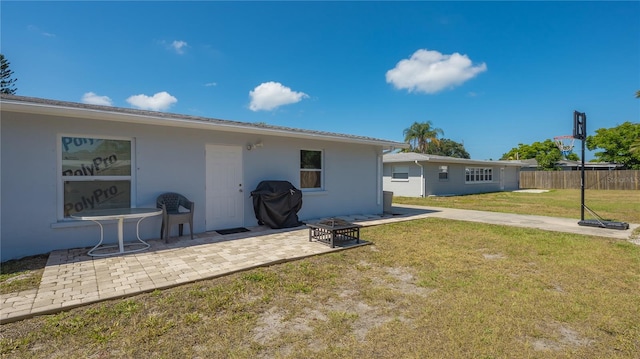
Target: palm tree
column 419, row 135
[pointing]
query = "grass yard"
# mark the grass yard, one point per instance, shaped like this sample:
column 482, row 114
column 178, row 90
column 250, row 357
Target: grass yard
column 429, row 288
column 23, row 274
column 613, row 205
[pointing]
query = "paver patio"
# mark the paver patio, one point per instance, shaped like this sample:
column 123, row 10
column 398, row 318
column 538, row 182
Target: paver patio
column 72, row 278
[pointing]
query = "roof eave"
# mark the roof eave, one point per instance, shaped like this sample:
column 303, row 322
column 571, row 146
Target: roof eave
column 171, row 121
column 439, row 159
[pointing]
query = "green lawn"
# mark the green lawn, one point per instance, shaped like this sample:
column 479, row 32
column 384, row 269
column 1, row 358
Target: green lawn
column 430, row 288
column 613, row 205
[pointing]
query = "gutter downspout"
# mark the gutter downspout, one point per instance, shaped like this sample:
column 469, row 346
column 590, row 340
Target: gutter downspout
column 379, row 179
column 421, row 178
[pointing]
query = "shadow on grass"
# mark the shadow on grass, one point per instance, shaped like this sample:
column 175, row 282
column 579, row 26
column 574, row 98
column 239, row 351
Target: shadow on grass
column 23, row 264
column 22, row 274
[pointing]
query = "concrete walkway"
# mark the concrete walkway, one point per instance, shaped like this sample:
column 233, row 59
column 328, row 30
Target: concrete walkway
column 72, row 278
column 554, row 224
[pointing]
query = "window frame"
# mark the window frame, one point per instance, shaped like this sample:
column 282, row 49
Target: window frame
column 443, row 173
column 320, row 170
column 61, row 179
column 478, row 175
column 399, row 170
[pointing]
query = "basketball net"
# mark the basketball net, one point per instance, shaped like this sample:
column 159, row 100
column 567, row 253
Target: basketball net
column 565, row 144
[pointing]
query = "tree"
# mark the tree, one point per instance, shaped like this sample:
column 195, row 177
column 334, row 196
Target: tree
column 547, row 161
column 6, row 82
column 447, row 147
column 419, row 135
column 635, row 146
column 545, row 153
column 573, row 157
column 617, row 143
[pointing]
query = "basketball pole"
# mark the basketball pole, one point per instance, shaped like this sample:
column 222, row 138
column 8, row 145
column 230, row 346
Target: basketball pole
column 583, row 140
column 580, row 132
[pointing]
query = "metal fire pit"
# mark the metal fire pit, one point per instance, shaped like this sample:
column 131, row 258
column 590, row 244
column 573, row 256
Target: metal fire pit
column 334, row 231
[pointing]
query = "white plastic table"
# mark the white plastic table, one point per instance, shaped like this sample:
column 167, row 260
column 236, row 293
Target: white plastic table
column 119, row 214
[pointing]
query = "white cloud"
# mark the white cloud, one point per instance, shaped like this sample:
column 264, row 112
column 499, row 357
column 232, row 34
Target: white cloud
column 158, row 102
column 211, row 84
column 93, row 99
column 430, row 71
column 179, row 46
column 43, row 33
column 269, row 95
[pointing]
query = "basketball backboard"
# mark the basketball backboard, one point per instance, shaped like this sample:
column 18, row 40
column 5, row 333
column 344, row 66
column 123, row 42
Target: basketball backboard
column 579, row 125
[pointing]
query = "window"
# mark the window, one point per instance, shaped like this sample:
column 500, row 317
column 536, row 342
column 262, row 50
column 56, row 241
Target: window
column 96, row 174
column 443, row 173
column 311, row 169
column 400, row 173
column 477, row 175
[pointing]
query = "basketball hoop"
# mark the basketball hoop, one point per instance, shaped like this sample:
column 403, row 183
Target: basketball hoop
column 565, row 144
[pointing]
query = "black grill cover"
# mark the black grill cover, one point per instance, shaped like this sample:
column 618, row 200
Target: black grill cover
column 276, row 204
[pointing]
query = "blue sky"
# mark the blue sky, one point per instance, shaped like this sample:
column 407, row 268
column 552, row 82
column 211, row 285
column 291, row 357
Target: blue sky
column 491, row 75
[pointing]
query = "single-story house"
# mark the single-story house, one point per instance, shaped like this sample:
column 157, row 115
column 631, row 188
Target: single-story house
column 411, row 174
column 59, row 158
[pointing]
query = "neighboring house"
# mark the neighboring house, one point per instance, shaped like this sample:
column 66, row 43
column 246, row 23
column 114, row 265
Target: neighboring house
column 61, row 157
column 567, row 165
column 413, row 174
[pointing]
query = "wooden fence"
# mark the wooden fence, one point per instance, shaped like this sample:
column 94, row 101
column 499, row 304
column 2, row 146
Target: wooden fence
column 619, row 180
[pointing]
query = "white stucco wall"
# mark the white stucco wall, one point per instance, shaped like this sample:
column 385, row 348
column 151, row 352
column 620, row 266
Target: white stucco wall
column 402, row 187
column 166, row 159
column 454, row 185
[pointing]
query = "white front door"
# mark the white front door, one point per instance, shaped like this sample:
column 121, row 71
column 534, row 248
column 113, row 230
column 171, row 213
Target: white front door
column 224, row 189
column 502, row 179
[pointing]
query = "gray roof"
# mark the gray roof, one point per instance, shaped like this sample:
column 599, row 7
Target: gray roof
column 422, row 157
column 24, row 104
column 532, row 162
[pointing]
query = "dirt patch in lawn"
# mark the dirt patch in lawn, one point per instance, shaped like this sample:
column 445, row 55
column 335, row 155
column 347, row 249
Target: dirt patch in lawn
column 558, row 336
column 355, row 312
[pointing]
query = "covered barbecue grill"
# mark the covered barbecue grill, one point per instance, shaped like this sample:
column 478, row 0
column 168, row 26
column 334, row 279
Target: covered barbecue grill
column 276, row 204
